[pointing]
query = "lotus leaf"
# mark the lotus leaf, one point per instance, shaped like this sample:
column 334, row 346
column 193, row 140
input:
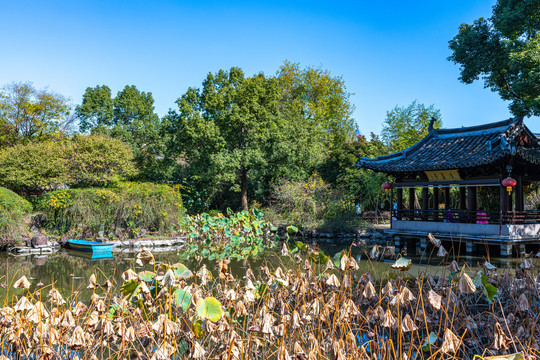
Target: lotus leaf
column 182, row 298
column 209, row 308
column 402, row 264
column 182, row 271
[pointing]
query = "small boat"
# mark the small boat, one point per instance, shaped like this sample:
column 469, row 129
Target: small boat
column 97, row 248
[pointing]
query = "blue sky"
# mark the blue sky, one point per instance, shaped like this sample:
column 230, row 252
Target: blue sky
column 389, row 53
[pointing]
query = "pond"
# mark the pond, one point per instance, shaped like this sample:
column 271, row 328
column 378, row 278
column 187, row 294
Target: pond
column 69, row 271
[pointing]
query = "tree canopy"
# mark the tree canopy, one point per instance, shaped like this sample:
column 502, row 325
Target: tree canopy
column 130, row 117
column 504, row 51
column 29, row 114
column 406, row 125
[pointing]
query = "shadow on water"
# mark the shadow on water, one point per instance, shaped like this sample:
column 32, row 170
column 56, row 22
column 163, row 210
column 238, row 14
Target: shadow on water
column 69, row 271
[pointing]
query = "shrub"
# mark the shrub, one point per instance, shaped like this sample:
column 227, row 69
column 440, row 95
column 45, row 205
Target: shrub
column 13, row 209
column 125, row 209
column 81, row 161
column 312, row 204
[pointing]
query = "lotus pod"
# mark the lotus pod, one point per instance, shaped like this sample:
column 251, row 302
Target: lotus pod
column 144, row 257
column 451, row 342
column 22, row 283
column 466, row 285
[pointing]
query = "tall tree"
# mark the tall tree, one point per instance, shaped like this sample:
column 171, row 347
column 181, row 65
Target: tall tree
column 130, row 117
column 405, row 126
column 227, row 129
column 28, row 114
column 96, row 109
column 505, row 51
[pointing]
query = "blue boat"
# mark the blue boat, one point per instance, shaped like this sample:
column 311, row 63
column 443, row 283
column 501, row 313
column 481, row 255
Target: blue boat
column 96, row 248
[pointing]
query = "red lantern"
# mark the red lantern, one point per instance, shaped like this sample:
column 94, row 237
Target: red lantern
column 509, row 183
column 386, row 186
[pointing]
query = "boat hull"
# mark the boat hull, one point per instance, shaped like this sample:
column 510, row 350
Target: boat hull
column 94, row 247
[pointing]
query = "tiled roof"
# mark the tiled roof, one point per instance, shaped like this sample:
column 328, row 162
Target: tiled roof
column 444, row 149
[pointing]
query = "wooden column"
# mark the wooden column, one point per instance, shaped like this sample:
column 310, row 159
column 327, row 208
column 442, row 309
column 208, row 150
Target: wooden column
column 436, row 203
column 399, row 194
column 462, row 198
column 519, row 194
column 425, row 202
column 447, row 198
column 503, row 198
column 412, row 196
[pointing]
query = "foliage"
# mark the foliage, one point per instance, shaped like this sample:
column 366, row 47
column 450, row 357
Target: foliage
column 306, row 307
column 241, row 135
column 28, row 114
column 80, row 161
column 129, row 117
column 239, row 235
column 13, row 210
column 124, row 210
column 312, row 204
column 504, row 51
column 405, row 126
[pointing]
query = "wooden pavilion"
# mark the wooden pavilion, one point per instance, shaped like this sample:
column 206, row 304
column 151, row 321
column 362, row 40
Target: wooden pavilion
column 455, row 178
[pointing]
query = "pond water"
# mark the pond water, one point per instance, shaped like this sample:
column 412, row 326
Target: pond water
column 70, row 272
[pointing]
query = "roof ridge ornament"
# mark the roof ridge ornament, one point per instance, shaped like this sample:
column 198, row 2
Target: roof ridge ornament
column 431, row 123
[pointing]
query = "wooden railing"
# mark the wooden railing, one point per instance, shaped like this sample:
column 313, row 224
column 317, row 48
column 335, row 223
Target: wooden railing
column 469, row 217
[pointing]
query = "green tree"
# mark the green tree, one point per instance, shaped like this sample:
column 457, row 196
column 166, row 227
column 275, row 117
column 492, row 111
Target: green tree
column 29, row 114
column 505, row 51
column 84, row 160
column 130, row 117
column 96, row 109
column 227, row 129
column 405, row 126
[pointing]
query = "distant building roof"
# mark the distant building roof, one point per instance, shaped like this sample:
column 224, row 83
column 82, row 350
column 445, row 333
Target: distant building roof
column 459, row 148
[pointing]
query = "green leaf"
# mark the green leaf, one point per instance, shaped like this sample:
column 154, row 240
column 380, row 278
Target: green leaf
column 182, row 271
column 197, row 328
column 182, row 298
column 490, row 291
column 209, row 308
column 429, row 341
column 147, row 276
column 193, row 235
column 291, row 229
column 129, row 287
column 206, row 228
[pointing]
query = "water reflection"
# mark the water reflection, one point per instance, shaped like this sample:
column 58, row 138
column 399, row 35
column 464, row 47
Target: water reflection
column 70, row 271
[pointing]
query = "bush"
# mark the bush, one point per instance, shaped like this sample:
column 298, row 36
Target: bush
column 312, row 204
column 126, row 209
column 81, row 161
column 13, row 209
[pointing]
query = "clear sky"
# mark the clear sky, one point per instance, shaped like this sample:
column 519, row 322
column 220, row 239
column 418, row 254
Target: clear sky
column 388, row 52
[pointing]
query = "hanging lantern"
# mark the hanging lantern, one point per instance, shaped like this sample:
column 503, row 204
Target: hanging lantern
column 509, row 183
column 386, row 186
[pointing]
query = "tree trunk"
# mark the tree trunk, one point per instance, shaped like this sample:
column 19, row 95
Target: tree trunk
column 243, row 186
